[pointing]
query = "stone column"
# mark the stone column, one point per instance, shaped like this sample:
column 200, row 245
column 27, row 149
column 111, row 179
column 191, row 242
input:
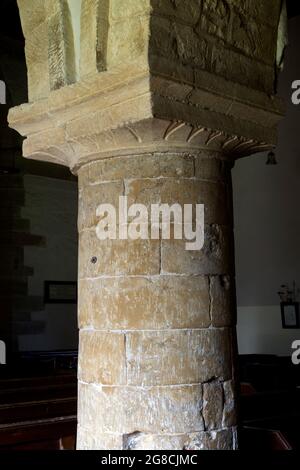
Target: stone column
column 157, row 321
column 166, row 96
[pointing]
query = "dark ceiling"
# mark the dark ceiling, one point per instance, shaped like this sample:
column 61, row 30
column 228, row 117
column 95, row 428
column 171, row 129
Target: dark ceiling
column 293, row 8
column 10, row 25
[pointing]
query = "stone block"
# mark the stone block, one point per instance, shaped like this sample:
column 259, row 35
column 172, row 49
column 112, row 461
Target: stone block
column 102, row 358
column 87, row 440
column 181, row 191
column 90, row 197
column 128, row 41
column 213, row 403
column 213, row 440
column 214, row 169
column 141, row 166
column 117, row 257
column 126, row 410
column 120, row 10
column 160, row 302
column 36, row 49
column 188, row 12
column 178, row 356
column 222, row 294
column 229, row 412
column 214, row 258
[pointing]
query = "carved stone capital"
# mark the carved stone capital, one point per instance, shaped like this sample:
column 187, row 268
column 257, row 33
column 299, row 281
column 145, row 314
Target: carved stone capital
column 131, row 110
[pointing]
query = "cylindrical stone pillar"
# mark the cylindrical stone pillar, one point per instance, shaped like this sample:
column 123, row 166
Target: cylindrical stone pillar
column 164, row 92
column 157, row 322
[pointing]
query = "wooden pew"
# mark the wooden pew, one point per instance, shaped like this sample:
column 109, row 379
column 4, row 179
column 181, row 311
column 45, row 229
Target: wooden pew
column 38, row 412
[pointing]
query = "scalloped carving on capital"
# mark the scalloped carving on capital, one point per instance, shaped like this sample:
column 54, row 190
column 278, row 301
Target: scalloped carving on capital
column 49, row 46
column 158, row 135
column 147, row 136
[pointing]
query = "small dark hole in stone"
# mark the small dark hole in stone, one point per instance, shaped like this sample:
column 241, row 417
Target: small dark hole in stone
column 94, row 260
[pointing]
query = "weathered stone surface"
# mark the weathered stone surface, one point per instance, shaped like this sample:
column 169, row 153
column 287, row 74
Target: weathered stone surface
column 178, row 81
column 178, row 357
column 90, row 197
column 36, row 49
column 119, row 10
column 102, row 358
column 214, row 440
column 149, row 410
column 236, row 26
column 61, row 53
column 186, row 12
column 87, row 126
column 214, row 258
column 222, row 294
column 229, row 412
column 181, row 191
column 33, row 13
column 87, row 440
column 197, row 34
column 146, row 441
column 117, row 257
column 94, row 37
column 214, row 169
column 128, row 41
column 213, row 403
column 143, row 166
column 49, row 46
column 144, row 303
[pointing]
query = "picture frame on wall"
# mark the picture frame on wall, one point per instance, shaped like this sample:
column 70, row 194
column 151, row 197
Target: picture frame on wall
column 290, row 315
column 60, row 292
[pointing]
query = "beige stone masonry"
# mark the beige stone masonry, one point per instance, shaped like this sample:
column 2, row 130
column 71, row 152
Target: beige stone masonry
column 153, row 100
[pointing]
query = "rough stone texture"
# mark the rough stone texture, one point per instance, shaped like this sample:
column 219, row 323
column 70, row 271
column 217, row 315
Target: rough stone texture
column 102, row 358
column 229, row 412
column 94, row 36
column 91, row 197
column 61, row 44
column 213, row 404
column 192, row 35
column 214, row 258
column 222, row 300
column 214, row 169
column 210, row 64
column 181, row 191
column 159, row 302
column 49, row 45
column 213, row 440
column 147, row 166
column 36, row 49
column 87, row 440
column 152, row 364
column 189, row 356
column 126, row 410
column 117, row 257
column 169, row 94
